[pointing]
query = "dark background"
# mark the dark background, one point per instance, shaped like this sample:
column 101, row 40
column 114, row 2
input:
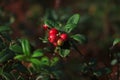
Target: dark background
column 100, row 21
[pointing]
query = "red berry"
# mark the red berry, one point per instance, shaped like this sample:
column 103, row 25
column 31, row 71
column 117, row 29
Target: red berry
column 45, row 26
column 64, row 36
column 52, row 38
column 53, row 31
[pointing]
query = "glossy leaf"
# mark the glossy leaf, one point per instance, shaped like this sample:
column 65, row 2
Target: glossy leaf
column 74, row 19
column 51, row 23
column 45, row 61
column 16, row 48
column 20, row 57
column 25, row 46
column 35, row 61
column 117, row 40
column 69, row 27
column 72, row 23
column 80, row 38
column 37, row 53
column 64, row 52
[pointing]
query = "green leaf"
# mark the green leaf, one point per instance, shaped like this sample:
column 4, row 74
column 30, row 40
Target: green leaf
column 69, row 27
column 51, row 23
column 37, row 53
column 35, row 61
column 64, row 52
column 114, row 61
column 16, row 48
column 3, row 52
column 71, row 23
column 80, row 38
column 6, row 57
column 45, row 61
column 54, row 61
column 4, row 28
column 25, row 46
column 20, row 57
column 74, row 19
column 116, row 41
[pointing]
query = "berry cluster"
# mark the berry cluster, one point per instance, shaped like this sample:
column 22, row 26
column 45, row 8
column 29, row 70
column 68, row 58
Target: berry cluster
column 55, row 37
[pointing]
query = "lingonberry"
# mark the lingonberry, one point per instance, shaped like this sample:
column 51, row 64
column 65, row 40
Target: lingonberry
column 52, row 38
column 45, row 26
column 60, row 42
column 53, row 31
column 64, row 36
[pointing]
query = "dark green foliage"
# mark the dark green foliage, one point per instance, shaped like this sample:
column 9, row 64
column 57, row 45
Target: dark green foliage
column 64, row 52
column 23, row 62
column 16, row 48
column 51, row 23
column 72, row 23
column 79, row 38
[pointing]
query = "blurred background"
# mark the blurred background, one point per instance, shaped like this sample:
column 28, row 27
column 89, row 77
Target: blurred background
column 99, row 22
